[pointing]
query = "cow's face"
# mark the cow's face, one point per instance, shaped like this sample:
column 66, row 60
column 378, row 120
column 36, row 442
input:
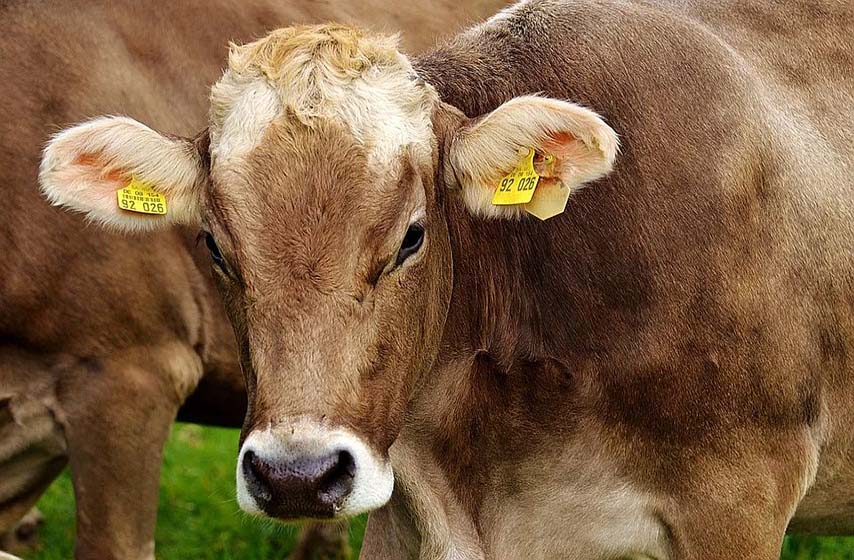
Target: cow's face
column 333, row 254
column 322, row 188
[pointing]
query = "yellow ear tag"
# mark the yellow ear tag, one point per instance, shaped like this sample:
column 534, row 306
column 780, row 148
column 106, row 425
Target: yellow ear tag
column 549, row 200
column 518, row 187
column 139, row 196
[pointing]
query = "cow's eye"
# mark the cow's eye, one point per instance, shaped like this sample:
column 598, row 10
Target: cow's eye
column 412, row 241
column 216, row 256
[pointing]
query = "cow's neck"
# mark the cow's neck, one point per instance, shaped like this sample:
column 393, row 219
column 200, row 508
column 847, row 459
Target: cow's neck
column 474, row 73
column 500, row 391
column 424, row 518
column 499, row 394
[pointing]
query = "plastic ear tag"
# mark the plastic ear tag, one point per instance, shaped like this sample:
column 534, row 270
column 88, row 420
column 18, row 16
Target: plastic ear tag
column 518, row 187
column 549, row 200
column 139, row 196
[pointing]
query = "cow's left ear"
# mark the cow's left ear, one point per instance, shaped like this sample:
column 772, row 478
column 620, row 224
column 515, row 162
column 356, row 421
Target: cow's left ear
column 577, row 147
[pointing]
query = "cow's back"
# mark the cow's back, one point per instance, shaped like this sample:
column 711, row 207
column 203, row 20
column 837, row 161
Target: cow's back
column 801, row 56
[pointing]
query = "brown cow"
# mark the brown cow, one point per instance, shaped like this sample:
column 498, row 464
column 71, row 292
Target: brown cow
column 102, row 338
column 661, row 371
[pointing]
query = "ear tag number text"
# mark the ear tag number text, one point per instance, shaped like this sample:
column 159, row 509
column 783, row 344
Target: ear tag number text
column 518, row 187
column 139, row 196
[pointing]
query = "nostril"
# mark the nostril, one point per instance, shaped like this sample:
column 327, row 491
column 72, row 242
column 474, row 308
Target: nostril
column 337, row 482
column 256, row 481
column 307, row 486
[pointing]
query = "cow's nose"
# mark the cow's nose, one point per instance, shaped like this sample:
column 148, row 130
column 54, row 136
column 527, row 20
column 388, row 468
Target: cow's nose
column 301, row 487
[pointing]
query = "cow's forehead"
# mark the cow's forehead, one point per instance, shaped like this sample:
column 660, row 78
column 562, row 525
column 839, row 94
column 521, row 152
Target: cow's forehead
column 329, row 72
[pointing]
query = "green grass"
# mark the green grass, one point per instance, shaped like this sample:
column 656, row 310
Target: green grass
column 823, row 548
column 198, row 517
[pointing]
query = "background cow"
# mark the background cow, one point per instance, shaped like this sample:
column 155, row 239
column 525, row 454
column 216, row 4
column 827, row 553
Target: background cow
column 102, row 338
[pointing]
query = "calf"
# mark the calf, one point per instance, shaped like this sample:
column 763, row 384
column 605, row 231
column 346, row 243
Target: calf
column 102, row 338
column 659, row 371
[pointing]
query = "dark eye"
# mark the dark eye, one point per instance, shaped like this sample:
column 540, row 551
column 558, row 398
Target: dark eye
column 216, row 256
column 412, row 241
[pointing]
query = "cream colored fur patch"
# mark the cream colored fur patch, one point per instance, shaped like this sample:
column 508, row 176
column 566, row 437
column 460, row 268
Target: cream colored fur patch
column 321, row 72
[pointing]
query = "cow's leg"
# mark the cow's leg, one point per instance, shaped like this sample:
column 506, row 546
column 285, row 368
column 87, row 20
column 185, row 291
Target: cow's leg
column 32, row 444
column 323, row 541
column 711, row 533
column 118, row 415
column 738, row 503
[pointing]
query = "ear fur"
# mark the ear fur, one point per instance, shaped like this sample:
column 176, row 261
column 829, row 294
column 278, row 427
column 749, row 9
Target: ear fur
column 485, row 150
column 83, row 166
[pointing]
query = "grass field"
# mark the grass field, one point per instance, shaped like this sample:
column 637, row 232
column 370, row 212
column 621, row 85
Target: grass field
column 199, row 518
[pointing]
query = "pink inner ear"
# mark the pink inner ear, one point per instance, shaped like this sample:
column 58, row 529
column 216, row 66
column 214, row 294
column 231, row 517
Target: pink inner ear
column 569, row 152
column 91, row 164
column 559, row 139
column 93, row 186
column 559, row 146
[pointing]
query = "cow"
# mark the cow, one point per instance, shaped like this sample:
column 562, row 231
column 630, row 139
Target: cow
column 103, row 338
column 658, row 369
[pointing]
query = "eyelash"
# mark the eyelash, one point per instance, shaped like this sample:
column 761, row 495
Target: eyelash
column 412, row 242
column 213, row 249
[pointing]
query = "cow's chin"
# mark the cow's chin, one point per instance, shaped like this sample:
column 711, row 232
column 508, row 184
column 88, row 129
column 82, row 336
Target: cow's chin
column 302, row 470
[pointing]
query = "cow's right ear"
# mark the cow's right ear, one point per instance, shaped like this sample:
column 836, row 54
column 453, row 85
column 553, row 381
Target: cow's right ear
column 84, row 167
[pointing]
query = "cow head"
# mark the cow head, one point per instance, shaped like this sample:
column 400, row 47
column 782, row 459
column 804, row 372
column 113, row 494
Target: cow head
column 322, row 187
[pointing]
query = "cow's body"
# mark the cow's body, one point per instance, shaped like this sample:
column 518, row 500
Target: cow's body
column 101, row 339
column 664, row 369
column 661, row 371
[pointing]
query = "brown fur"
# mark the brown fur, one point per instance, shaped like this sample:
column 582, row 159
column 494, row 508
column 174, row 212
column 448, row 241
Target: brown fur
column 686, row 323
column 332, row 301
column 124, row 327
column 702, row 315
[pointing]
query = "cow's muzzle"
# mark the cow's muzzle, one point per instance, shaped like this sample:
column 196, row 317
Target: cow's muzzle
column 303, row 470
